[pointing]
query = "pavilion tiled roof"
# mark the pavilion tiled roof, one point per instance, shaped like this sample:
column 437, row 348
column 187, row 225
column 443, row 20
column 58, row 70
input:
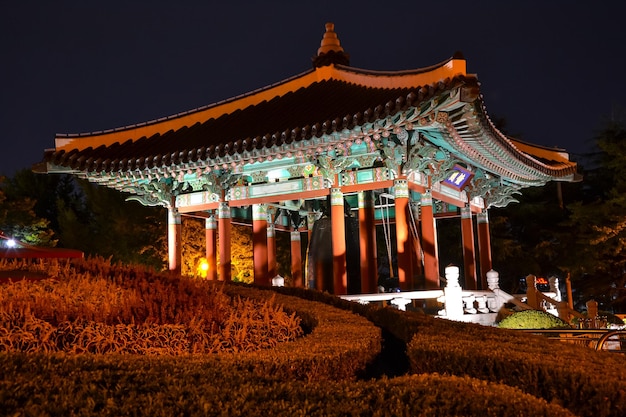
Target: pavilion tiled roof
column 320, row 108
column 329, row 98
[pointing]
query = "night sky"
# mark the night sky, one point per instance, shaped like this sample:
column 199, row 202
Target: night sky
column 555, row 70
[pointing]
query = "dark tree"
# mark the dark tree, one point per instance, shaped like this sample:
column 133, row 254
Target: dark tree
column 599, row 219
column 100, row 221
column 19, row 219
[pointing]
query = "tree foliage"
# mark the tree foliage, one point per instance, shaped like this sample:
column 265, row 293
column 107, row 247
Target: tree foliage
column 599, row 217
column 18, row 216
column 530, row 237
column 194, row 244
column 99, row 221
column 241, row 254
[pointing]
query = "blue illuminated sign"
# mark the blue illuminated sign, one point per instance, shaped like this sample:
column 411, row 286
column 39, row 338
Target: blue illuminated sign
column 458, row 177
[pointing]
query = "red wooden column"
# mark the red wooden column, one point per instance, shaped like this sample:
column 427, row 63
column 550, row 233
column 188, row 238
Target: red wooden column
column 469, row 255
column 309, row 281
column 296, row 259
column 429, row 242
column 174, row 240
column 271, row 250
column 367, row 242
column 401, row 194
column 223, row 229
column 484, row 246
column 259, row 243
column 417, row 260
column 338, row 230
column 211, row 247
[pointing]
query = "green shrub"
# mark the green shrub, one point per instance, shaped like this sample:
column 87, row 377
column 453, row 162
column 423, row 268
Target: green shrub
column 533, row 319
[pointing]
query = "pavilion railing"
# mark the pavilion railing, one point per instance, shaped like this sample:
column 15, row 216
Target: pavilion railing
column 470, row 305
column 608, row 340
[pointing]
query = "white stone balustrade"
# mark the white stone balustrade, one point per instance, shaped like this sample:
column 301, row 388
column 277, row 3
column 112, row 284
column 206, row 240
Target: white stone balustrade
column 459, row 304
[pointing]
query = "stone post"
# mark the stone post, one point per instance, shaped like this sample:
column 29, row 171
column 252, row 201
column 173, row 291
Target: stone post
column 453, row 294
column 554, row 287
column 493, row 280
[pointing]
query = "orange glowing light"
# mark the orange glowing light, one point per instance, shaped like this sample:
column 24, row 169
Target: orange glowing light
column 203, row 267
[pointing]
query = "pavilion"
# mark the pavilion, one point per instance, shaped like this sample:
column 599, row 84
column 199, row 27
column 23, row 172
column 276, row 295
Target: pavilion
column 334, row 135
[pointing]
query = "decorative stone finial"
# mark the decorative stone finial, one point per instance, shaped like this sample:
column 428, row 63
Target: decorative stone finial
column 330, row 51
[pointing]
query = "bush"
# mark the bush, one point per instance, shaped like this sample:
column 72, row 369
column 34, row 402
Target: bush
column 92, row 307
column 533, row 319
column 92, row 385
column 580, row 379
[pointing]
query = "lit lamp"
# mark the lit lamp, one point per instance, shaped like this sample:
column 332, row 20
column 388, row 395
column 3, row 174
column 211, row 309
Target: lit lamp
column 203, row 268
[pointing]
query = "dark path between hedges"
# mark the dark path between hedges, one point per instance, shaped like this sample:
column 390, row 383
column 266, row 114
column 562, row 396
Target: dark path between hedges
column 392, row 360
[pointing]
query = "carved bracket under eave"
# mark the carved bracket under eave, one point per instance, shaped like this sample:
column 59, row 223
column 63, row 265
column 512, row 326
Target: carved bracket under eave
column 153, row 193
column 329, row 167
column 501, row 196
column 493, row 192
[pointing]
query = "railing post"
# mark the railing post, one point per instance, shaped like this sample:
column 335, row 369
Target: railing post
column 568, row 286
column 469, row 304
column 493, row 280
column 453, row 293
column 554, row 287
column 493, row 283
column 531, row 292
column 401, row 302
column 481, row 302
column 563, row 310
column 592, row 313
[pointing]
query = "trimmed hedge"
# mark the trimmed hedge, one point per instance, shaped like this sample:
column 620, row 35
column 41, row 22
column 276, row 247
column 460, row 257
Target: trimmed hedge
column 112, row 385
column 339, row 347
column 490, row 372
column 586, row 382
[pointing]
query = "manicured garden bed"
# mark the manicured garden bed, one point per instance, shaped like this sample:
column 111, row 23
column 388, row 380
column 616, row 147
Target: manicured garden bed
column 451, row 368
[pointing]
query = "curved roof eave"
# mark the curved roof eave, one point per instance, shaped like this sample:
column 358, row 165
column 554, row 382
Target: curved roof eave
column 472, row 137
column 372, row 79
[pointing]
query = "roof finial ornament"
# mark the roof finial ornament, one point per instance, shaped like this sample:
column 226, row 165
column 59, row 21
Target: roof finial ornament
column 330, row 51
